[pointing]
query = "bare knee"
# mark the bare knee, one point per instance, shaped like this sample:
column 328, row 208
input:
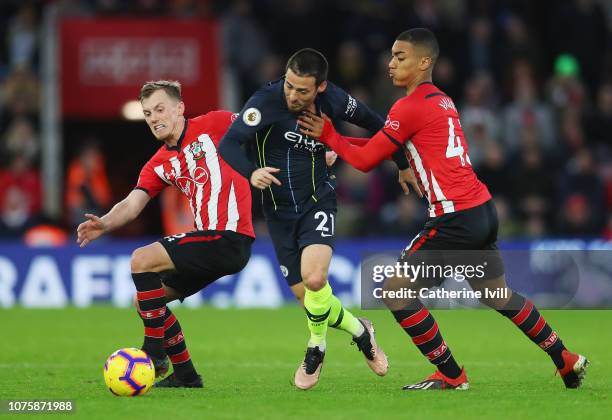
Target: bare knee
column 314, row 281
column 140, row 262
column 151, row 258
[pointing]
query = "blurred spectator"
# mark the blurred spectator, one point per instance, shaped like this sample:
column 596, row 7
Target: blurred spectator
column 445, row 77
column 351, row 68
column 21, row 139
column 24, row 182
column 518, row 45
column 87, row 188
column 493, row 170
column 533, row 188
column 360, row 196
column 271, row 67
column 508, row 227
column 580, row 29
column 23, row 37
column 15, row 214
column 20, row 93
column 245, row 45
column 582, row 195
column 526, row 112
column 577, row 217
column 480, row 49
column 404, row 217
column 565, row 89
column 599, row 123
column 478, row 119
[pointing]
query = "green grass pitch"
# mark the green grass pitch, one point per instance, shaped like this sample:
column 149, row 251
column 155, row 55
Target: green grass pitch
column 248, row 358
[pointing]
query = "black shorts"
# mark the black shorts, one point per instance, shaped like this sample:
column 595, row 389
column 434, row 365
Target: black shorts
column 291, row 233
column 465, row 238
column 201, row 257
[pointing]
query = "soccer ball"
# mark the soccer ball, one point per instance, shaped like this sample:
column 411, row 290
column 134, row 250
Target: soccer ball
column 129, row 372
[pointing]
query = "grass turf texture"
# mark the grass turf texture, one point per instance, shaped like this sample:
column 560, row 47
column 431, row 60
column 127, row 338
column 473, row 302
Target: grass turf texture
column 248, row 358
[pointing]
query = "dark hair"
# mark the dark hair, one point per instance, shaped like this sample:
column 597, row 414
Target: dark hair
column 309, row 62
column 171, row 87
column 422, row 38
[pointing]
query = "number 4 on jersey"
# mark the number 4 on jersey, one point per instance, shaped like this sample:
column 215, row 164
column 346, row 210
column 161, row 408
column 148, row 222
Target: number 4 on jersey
column 454, row 150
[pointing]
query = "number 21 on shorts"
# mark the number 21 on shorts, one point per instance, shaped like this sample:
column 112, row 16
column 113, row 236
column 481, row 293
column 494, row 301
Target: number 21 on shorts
column 326, row 223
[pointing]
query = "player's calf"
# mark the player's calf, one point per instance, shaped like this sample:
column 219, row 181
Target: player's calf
column 523, row 313
column 151, row 295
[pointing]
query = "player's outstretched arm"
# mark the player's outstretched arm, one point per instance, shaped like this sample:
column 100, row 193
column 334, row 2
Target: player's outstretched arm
column 364, row 158
column 123, row 212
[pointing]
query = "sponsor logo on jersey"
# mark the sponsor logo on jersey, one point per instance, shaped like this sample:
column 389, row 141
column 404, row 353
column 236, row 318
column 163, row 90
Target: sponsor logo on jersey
column 351, row 106
column 251, row 117
column 303, row 142
column 188, row 185
column 392, row 124
column 447, row 103
column 284, row 270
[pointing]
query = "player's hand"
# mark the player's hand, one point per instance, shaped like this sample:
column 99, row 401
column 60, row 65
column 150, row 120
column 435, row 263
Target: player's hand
column 311, row 124
column 262, row 178
column 407, row 177
column 90, row 230
column 330, row 157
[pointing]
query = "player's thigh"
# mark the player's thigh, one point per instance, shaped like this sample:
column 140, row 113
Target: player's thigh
column 315, row 234
column 315, row 261
column 151, row 258
column 201, row 257
column 286, row 248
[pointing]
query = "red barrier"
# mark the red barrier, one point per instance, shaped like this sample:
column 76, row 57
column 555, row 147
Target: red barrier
column 104, row 62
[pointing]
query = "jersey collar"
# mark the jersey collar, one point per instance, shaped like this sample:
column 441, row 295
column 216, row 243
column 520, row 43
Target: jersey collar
column 180, row 140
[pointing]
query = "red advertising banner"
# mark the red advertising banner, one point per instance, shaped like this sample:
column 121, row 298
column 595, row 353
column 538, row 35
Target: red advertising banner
column 104, row 62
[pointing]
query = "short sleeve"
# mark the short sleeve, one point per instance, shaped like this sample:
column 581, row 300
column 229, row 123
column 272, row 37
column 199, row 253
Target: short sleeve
column 256, row 114
column 217, row 123
column 149, row 181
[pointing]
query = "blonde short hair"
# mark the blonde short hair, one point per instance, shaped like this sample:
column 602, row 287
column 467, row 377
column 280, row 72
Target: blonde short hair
column 171, row 87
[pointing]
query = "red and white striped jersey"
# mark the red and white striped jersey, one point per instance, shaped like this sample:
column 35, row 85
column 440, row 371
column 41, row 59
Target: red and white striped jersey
column 427, row 122
column 220, row 198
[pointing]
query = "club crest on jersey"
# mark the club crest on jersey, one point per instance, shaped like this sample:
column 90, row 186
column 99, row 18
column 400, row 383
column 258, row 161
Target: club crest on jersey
column 251, row 117
column 196, row 150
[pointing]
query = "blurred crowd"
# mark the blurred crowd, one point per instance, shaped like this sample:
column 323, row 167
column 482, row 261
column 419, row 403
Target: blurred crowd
column 532, row 81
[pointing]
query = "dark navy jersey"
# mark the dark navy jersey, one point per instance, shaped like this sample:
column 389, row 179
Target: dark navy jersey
column 266, row 123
